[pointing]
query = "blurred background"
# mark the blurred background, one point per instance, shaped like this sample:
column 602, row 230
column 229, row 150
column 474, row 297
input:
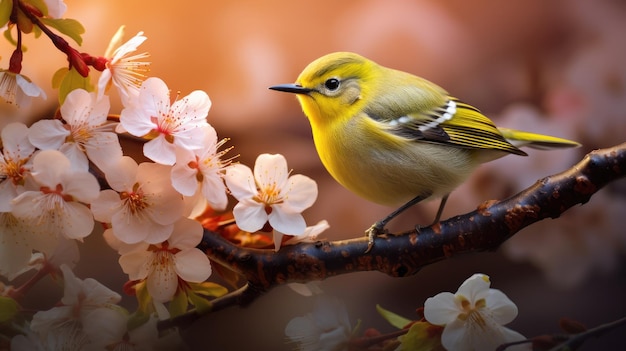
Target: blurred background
column 555, row 67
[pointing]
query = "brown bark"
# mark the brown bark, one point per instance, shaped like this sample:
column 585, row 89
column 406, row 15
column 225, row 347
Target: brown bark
column 406, row 253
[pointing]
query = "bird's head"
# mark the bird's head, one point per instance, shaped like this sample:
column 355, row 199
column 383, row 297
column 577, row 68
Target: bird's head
column 332, row 87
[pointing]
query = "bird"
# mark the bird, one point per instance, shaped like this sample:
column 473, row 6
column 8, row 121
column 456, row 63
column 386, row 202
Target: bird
column 397, row 139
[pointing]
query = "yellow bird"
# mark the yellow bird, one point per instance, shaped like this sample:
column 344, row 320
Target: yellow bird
column 395, row 138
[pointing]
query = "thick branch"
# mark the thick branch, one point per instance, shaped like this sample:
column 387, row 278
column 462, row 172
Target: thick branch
column 404, row 254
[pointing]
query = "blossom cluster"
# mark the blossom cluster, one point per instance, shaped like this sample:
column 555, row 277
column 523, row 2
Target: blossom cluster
column 471, row 319
column 60, row 177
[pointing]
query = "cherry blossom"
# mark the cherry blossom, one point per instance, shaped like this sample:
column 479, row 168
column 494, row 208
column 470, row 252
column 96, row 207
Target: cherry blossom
column 326, row 328
column 202, row 168
column 123, row 70
column 17, row 241
column 181, row 124
column 86, row 131
column 19, row 237
column 141, row 205
column 117, row 335
column 55, row 204
column 18, row 89
column 15, row 162
column 56, row 8
column 474, row 316
column 84, row 302
column 163, row 264
column 270, row 194
column 67, row 336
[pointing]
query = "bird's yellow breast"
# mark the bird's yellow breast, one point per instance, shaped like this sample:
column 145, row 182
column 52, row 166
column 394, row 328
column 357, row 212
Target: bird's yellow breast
column 388, row 170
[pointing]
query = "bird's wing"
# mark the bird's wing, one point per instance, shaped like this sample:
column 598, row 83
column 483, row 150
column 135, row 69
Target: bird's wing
column 453, row 123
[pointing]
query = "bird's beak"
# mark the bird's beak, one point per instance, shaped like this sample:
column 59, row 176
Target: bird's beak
column 291, row 88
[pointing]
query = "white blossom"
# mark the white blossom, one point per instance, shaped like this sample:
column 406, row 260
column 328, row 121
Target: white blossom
column 181, row 124
column 86, row 132
column 56, row 202
column 141, row 205
column 474, row 316
column 124, row 70
column 163, row 264
column 270, row 195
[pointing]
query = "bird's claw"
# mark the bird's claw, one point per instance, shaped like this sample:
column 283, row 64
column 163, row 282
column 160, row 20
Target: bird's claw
column 372, row 232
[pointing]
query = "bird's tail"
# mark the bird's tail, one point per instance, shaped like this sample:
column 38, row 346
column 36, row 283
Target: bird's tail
column 536, row 141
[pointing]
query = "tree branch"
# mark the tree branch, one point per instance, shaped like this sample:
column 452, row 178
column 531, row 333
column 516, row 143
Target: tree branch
column 406, row 253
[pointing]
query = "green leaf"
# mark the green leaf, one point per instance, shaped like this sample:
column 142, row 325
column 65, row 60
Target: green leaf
column 422, row 336
column 137, row 319
column 24, row 23
column 8, row 36
column 58, row 77
column 179, row 304
column 70, row 27
column 5, row 11
column 73, row 80
column 393, row 319
column 208, row 289
column 143, row 298
column 37, row 32
column 200, row 303
column 8, row 309
column 39, row 4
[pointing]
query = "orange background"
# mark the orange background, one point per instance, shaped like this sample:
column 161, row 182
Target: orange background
column 562, row 59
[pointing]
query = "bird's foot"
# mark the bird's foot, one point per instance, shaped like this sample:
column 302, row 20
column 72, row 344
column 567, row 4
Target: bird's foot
column 372, row 232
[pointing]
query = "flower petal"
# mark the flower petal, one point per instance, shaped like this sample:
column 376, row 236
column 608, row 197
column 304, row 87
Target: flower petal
column 187, row 234
column 8, row 192
column 503, row 310
column 271, row 169
column 291, row 223
column 250, row 216
column 162, row 282
column 136, row 121
column 104, row 149
column 76, row 107
column 301, row 193
column 131, row 228
column 77, row 221
column 137, row 264
column 474, row 287
column 154, row 97
column 29, row 88
column 441, row 309
column 107, row 203
column 160, row 150
column 82, row 186
column 48, row 134
column 27, row 205
column 78, row 160
column 15, row 141
column 104, row 326
column 49, row 166
column 122, row 175
column 193, row 108
column 192, row 265
column 240, row 182
column 455, row 336
column 96, row 294
column 184, row 177
column 15, row 248
column 214, row 191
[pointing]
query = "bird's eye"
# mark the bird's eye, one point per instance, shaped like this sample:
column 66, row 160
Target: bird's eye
column 332, row 84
